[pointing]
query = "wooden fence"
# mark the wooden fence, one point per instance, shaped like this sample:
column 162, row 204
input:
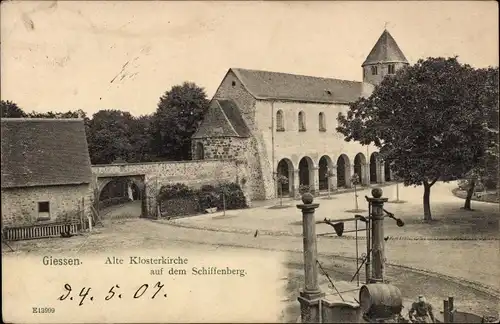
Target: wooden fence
column 40, row 231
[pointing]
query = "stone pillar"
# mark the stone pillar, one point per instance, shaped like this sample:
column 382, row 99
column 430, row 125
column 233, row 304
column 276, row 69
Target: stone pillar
column 349, row 176
column 367, row 173
column 296, row 184
column 379, row 170
column 378, row 252
column 333, row 179
column 314, row 181
column 382, row 172
column 276, row 184
column 311, row 294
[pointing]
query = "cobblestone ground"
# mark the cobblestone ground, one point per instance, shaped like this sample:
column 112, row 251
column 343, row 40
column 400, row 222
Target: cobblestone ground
column 474, row 261
column 456, row 243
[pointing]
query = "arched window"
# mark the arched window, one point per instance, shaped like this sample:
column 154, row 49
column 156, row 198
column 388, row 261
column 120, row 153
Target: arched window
column 280, row 126
column 302, row 122
column 200, row 153
column 322, row 122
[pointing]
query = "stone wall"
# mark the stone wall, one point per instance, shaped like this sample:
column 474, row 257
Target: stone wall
column 192, row 173
column 232, row 88
column 221, row 147
column 20, row 205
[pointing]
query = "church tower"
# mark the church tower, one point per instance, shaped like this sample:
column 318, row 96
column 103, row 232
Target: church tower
column 384, row 58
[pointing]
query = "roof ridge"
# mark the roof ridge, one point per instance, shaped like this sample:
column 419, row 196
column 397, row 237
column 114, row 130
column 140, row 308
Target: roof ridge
column 294, row 74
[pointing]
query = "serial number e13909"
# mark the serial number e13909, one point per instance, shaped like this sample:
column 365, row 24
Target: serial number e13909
column 43, row 310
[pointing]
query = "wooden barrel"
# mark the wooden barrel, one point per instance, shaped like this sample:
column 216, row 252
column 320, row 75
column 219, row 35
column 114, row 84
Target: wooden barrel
column 380, row 300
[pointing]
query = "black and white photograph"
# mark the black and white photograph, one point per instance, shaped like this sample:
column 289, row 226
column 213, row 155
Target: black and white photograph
column 250, row 161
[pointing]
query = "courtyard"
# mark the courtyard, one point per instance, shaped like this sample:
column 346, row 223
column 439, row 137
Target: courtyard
column 455, row 255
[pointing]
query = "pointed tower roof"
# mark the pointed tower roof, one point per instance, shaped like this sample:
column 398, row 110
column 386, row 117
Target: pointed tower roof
column 385, row 51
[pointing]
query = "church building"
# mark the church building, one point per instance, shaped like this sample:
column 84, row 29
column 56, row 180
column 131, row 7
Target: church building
column 283, row 126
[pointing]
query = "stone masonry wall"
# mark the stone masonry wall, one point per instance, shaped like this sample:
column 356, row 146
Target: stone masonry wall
column 20, row 205
column 221, row 147
column 192, row 173
column 232, row 88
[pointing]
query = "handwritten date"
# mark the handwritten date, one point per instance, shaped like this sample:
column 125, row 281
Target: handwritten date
column 114, row 292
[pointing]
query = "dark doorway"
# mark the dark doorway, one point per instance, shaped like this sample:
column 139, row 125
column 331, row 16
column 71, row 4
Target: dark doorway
column 342, row 169
column 323, row 173
column 285, row 170
column 373, row 168
column 304, row 172
column 359, row 167
column 387, row 171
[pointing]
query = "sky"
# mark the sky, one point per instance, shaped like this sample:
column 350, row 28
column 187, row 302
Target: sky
column 69, row 55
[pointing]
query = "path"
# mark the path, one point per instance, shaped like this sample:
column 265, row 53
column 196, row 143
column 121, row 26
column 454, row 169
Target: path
column 133, row 235
column 441, row 246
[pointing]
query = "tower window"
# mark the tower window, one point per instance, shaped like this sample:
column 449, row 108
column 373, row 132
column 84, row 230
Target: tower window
column 390, row 69
column 233, row 83
column 374, row 70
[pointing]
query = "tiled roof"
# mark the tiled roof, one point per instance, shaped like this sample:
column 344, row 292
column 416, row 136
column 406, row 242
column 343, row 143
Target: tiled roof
column 385, row 50
column 44, row 152
column 267, row 85
column 233, row 114
column 222, row 119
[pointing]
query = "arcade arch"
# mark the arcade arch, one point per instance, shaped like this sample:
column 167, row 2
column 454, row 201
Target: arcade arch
column 325, row 164
column 306, row 171
column 285, row 168
column 360, row 168
column 343, row 176
column 374, row 168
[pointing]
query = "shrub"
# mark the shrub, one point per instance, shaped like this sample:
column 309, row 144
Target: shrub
column 234, row 198
column 178, row 199
column 177, row 190
column 304, row 188
column 113, row 201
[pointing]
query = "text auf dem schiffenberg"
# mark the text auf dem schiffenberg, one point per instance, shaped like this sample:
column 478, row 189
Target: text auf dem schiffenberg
column 173, row 265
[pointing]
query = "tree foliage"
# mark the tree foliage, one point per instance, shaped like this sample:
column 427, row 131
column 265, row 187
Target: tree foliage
column 114, row 135
column 177, row 117
column 108, row 136
column 10, row 109
column 428, row 121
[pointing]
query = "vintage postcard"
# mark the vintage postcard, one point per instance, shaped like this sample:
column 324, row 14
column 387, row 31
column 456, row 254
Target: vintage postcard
column 249, row 161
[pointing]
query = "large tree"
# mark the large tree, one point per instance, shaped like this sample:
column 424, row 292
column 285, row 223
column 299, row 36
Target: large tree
column 10, row 109
column 486, row 168
column 426, row 120
column 109, row 136
column 179, row 114
column 140, row 139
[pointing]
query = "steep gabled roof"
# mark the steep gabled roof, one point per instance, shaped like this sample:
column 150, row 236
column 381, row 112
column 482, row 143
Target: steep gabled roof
column 222, row 119
column 386, row 50
column 44, row 152
column 233, row 114
column 265, row 85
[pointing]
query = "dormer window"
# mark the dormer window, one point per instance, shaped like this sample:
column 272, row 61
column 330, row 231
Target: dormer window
column 302, row 122
column 374, row 70
column 390, row 69
column 322, row 122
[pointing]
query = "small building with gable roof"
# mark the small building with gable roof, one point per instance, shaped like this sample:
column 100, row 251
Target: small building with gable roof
column 284, row 126
column 46, row 171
